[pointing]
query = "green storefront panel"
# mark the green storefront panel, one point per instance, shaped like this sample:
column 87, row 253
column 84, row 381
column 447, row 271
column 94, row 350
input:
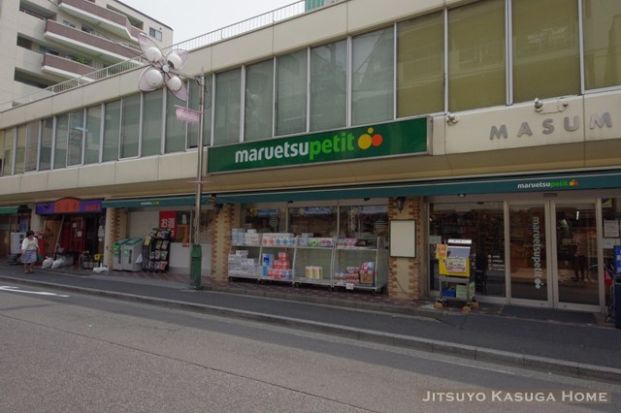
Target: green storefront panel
column 400, row 138
column 542, row 183
column 152, row 202
column 8, row 210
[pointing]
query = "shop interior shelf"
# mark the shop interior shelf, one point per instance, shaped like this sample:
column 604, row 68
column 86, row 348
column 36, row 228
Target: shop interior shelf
column 319, row 265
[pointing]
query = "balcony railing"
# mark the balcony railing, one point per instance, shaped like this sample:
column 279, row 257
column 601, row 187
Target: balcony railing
column 66, row 65
column 91, row 8
column 245, row 26
column 89, row 41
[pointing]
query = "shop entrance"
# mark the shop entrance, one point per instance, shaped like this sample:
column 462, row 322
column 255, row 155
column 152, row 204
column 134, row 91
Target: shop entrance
column 553, row 254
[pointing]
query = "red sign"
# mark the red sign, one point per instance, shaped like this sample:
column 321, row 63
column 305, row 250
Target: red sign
column 168, row 220
column 67, row 206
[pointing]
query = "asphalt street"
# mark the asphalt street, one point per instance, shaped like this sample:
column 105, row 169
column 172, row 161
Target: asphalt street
column 66, row 352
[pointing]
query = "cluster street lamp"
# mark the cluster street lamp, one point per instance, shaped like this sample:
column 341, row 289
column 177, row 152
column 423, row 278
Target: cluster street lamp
column 165, row 71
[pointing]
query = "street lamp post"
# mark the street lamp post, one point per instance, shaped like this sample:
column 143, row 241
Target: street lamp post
column 196, row 254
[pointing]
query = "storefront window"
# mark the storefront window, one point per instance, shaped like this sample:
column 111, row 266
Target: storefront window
column 364, row 223
column 477, row 55
column 291, row 93
column 75, row 138
column 611, row 214
column 130, row 129
column 152, row 123
column 228, row 107
column 576, row 249
column 319, row 221
column 20, row 149
column 602, row 43
column 93, row 134
column 32, row 147
column 543, row 42
column 45, row 151
column 372, row 77
column 207, row 110
column 259, row 101
column 483, row 224
column 112, row 126
column 175, row 129
column 264, row 218
column 420, row 66
column 328, row 80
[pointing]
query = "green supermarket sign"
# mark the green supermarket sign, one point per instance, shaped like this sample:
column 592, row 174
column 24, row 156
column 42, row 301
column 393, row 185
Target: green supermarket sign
column 386, row 139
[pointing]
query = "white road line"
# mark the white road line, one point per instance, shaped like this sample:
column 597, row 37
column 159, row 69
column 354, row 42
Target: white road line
column 17, row 290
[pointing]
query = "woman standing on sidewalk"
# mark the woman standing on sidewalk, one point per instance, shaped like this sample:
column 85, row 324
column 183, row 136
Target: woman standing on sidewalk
column 30, row 247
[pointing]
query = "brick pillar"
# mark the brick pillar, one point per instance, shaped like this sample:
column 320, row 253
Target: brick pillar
column 406, row 276
column 116, row 229
column 226, row 219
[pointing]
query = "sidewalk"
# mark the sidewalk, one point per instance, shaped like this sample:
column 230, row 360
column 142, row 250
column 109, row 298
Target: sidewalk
column 556, row 341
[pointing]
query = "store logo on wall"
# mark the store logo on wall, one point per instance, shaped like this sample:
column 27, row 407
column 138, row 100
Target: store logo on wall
column 388, row 139
column 553, row 185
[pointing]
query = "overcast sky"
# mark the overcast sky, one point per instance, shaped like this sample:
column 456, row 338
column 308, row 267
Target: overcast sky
column 190, row 18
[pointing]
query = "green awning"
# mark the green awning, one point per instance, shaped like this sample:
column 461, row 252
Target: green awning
column 8, row 210
column 170, row 201
column 496, row 185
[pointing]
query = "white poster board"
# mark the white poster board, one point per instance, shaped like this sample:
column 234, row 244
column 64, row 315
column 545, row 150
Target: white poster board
column 403, row 238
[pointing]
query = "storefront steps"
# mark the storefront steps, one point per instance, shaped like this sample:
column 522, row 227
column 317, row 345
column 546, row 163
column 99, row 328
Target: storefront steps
column 568, row 348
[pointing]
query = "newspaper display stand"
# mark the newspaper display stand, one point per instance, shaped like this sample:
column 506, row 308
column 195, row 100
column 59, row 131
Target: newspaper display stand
column 455, row 274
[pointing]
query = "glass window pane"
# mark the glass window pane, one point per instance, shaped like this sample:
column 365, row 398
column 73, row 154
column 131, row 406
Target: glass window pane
column 194, row 102
column 319, row 221
column 152, row 123
column 20, row 149
column 45, row 151
column 207, row 110
column 60, row 141
column 7, row 164
column 546, row 60
column 76, row 137
column 227, row 122
column 481, row 222
column 602, row 43
column 93, row 134
column 476, row 66
column 420, row 66
column 2, row 154
column 112, row 125
column 291, row 93
column 372, row 77
column 130, row 127
column 328, row 86
column 529, row 269
column 175, row 129
column 259, row 100
column 32, row 146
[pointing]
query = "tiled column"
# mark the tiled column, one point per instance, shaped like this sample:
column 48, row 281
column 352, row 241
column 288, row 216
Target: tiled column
column 406, row 277
column 116, row 229
column 227, row 218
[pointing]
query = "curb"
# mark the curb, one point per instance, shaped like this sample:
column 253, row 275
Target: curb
column 543, row 364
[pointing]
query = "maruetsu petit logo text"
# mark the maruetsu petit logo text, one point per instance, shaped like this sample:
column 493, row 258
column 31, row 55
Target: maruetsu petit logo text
column 339, row 143
column 572, row 183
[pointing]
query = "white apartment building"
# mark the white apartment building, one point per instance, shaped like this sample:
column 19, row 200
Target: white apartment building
column 44, row 42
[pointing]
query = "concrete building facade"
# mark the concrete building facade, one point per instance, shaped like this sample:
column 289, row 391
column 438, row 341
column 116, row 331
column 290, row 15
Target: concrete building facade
column 352, row 145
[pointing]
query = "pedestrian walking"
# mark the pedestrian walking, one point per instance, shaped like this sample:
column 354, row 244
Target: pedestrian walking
column 30, row 249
